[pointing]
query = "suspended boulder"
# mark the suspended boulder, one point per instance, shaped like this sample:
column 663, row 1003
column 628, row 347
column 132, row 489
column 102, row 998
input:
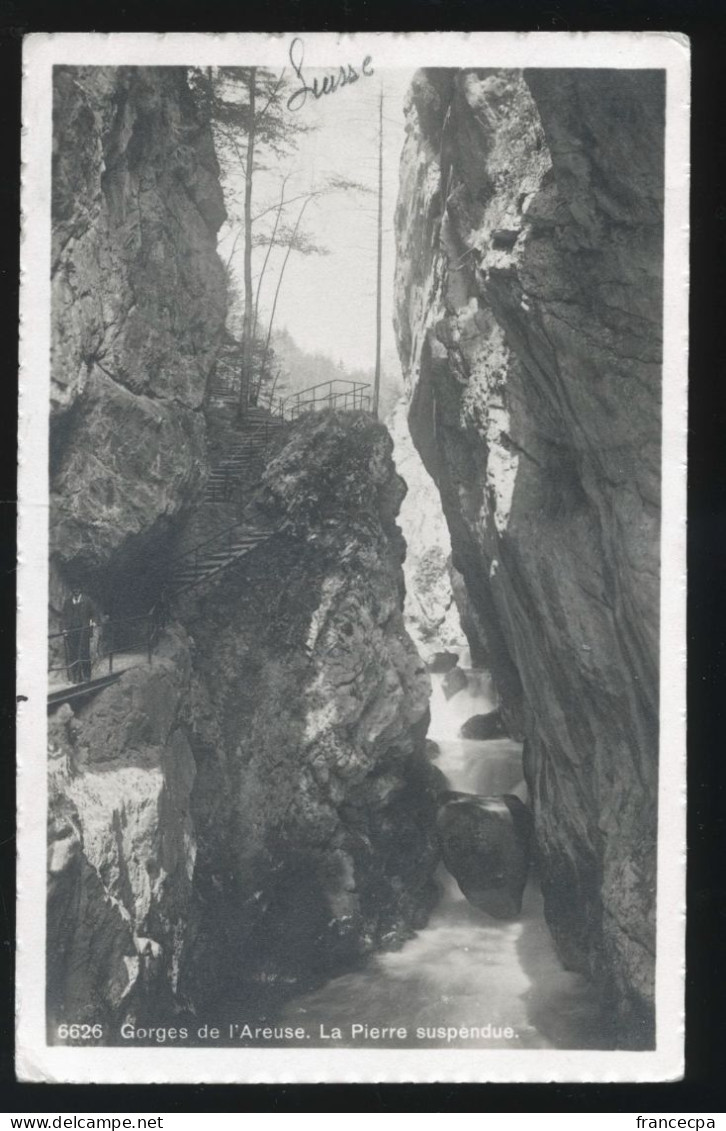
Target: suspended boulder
column 486, row 844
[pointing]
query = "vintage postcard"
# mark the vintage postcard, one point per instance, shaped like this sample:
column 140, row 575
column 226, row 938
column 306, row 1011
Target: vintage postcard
column 352, row 486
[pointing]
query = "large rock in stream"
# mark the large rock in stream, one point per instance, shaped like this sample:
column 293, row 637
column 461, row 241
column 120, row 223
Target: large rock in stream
column 486, row 843
column 484, row 727
column 529, row 292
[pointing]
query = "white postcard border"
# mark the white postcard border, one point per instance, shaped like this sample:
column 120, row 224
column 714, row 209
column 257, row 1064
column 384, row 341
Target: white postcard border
column 35, row 1060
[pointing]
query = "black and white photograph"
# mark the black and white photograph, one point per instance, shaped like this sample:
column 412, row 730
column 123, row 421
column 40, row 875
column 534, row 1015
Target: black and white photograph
column 352, row 468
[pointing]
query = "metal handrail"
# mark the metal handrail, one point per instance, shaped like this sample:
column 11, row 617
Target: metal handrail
column 205, row 575
column 255, row 442
column 223, row 538
column 289, row 407
column 356, row 395
column 152, row 621
column 274, row 404
column 194, row 551
column 332, row 381
column 107, row 626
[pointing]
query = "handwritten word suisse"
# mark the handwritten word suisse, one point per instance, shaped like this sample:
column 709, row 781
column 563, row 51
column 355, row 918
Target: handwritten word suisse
column 345, row 75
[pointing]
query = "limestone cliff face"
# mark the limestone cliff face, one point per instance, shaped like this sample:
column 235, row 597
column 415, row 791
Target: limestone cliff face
column 121, row 846
column 138, row 299
column 431, row 612
column 314, row 802
column 529, row 322
column 254, row 810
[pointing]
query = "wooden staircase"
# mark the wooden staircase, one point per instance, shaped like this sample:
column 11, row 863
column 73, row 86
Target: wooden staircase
column 245, row 455
column 209, row 558
column 244, row 459
column 223, row 396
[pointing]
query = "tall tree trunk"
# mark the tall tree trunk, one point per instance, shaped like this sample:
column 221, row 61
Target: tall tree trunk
column 379, row 263
column 248, row 323
column 270, row 246
column 263, row 364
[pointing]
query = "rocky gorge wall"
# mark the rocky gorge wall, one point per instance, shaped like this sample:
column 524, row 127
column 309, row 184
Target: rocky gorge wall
column 138, row 304
column 529, row 291
column 432, row 613
column 254, row 810
column 315, row 803
column 121, row 846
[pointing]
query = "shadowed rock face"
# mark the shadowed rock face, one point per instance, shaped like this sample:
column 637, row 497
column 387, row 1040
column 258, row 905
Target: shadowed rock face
column 121, row 845
column 315, row 803
column 529, row 322
column 138, row 300
column 256, row 810
column 486, row 845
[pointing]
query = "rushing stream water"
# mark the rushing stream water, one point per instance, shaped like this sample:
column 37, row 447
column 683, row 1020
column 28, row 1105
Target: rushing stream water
column 465, row 969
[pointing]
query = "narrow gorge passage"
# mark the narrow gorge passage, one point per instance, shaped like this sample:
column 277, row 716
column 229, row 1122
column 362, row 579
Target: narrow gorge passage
column 465, row 969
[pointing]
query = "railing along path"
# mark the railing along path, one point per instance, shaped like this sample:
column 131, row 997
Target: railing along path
column 339, row 394
column 135, row 635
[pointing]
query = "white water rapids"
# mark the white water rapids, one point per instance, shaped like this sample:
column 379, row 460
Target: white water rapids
column 464, row 969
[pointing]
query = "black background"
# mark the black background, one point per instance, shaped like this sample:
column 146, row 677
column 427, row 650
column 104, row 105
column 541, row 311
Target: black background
column 704, row 21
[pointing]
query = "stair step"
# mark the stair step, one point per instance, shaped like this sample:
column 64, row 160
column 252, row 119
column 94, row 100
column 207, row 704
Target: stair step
column 234, row 476
column 237, row 461
column 229, row 472
column 244, row 453
column 254, row 445
column 229, row 469
column 241, row 453
column 223, row 554
column 227, row 555
column 220, row 468
column 243, row 457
